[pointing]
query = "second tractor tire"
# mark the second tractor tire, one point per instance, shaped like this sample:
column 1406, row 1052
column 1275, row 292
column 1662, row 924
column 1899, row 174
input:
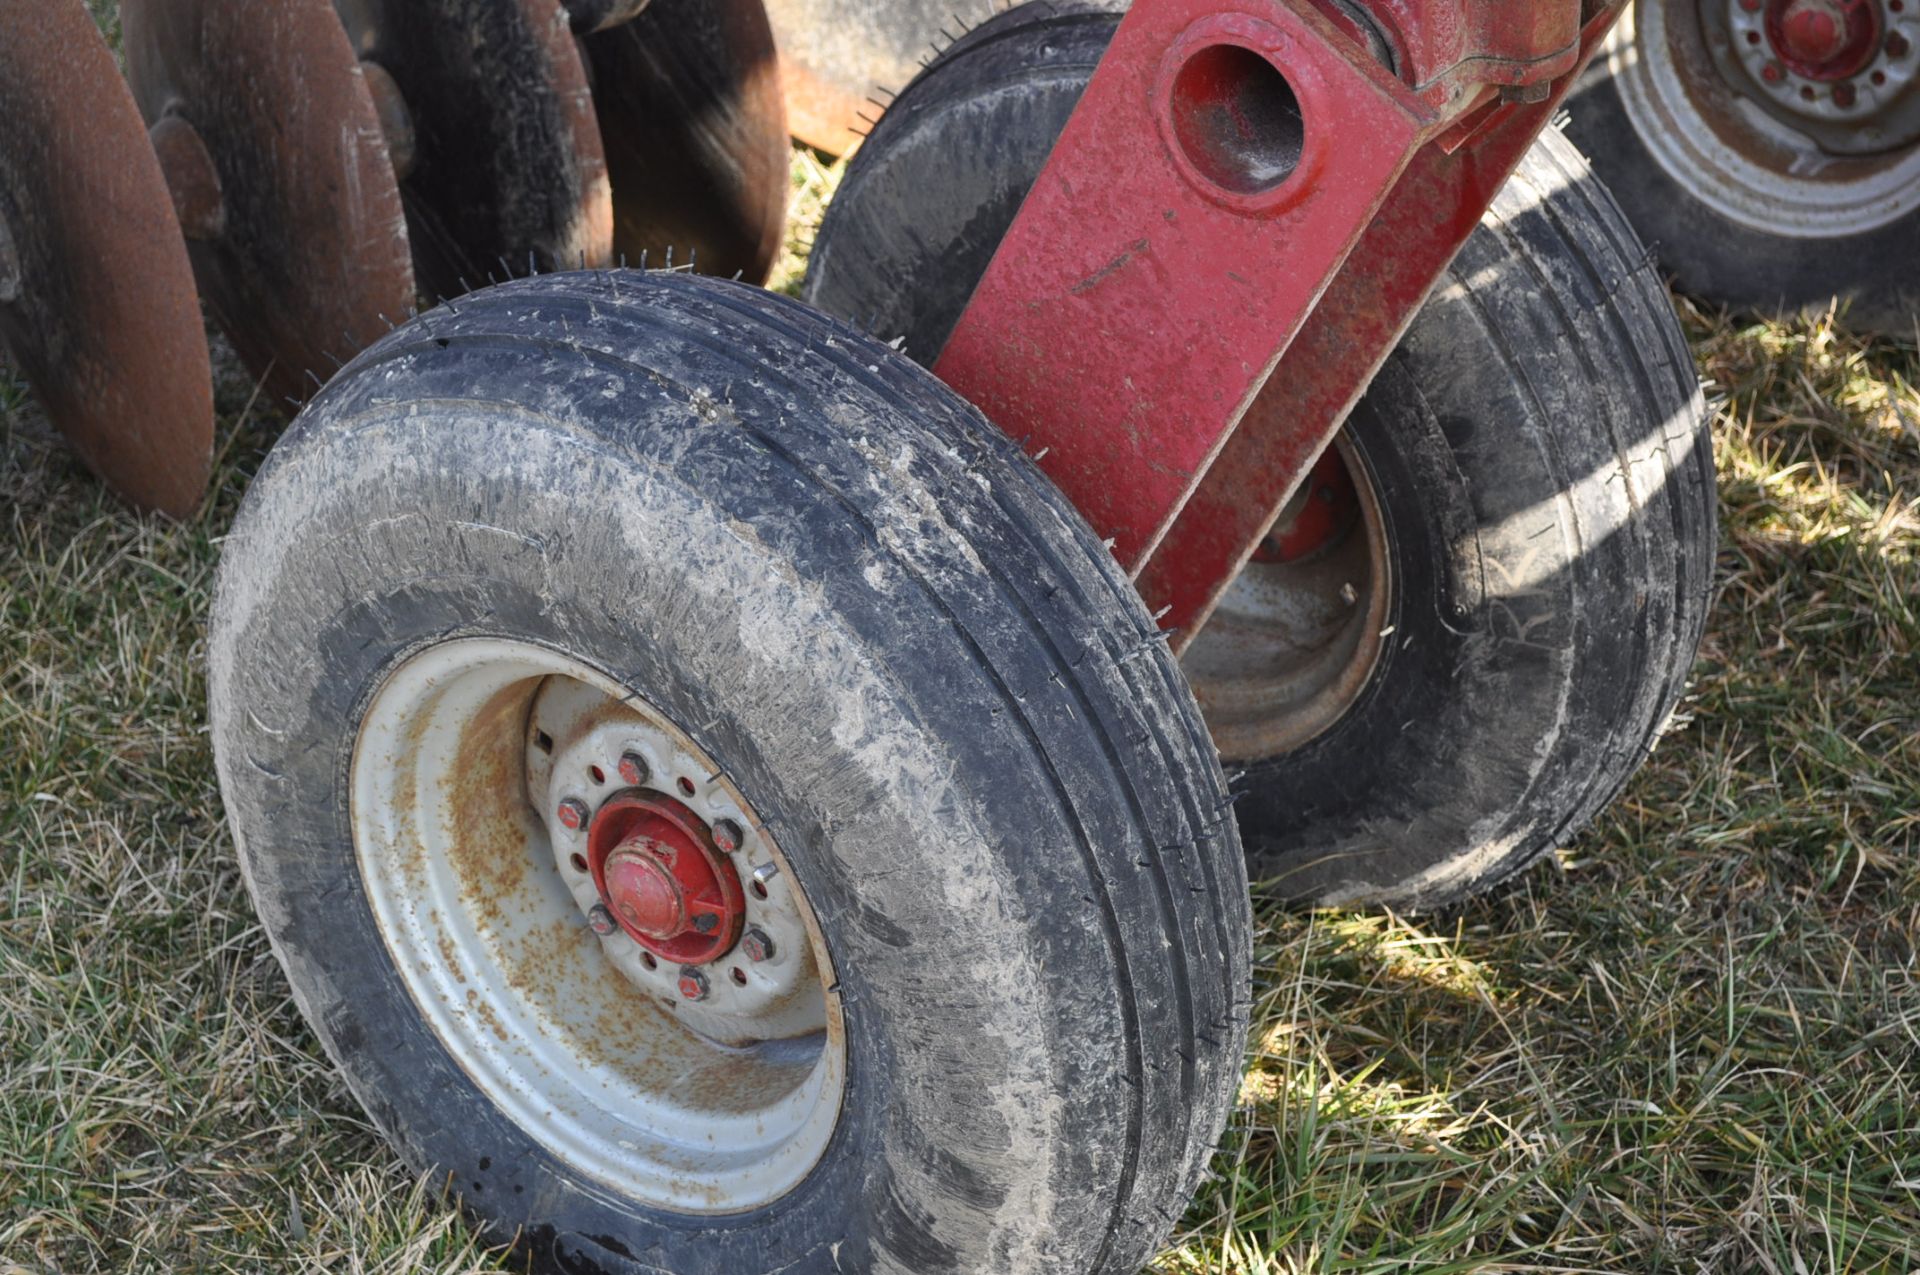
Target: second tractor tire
column 1536, row 454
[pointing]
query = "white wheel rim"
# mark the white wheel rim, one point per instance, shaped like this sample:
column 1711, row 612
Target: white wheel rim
column 1734, row 156
column 1292, row 645
column 567, row 1032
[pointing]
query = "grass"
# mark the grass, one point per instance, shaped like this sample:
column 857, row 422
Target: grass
column 1690, row 1042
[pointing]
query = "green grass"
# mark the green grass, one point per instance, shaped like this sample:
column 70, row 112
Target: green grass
column 1691, row 1042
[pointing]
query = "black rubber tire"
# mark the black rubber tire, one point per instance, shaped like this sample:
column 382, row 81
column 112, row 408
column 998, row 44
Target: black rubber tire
column 1542, row 422
column 1874, row 276
column 483, row 473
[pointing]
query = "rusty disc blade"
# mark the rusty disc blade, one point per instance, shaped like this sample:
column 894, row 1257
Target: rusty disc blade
column 268, row 135
column 96, row 295
column 839, row 59
column 696, row 135
column 508, row 171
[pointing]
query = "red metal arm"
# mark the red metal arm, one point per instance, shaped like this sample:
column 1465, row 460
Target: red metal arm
column 1178, row 321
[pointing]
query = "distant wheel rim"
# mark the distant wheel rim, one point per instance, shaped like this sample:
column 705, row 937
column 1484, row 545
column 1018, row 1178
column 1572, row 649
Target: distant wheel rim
column 701, row 1089
column 1296, row 639
column 1758, row 152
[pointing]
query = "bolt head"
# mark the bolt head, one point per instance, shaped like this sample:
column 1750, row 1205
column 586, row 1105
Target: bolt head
column 633, row 768
column 601, row 921
column 693, row 984
column 757, row 944
column 1844, row 96
column 1771, row 73
column 727, row 835
column 573, row 814
column 705, row 922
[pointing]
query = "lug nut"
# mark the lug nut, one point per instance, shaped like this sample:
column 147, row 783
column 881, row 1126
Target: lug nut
column 634, row 769
column 757, row 945
column 601, row 921
column 693, row 984
column 573, row 814
column 727, row 835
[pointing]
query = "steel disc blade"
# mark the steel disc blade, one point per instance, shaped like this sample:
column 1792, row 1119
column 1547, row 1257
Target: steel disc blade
column 688, row 95
column 840, row 58
column 307, row 260
column 97, row 302
column 508, row 170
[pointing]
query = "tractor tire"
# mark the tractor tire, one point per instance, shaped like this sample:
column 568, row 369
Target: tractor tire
column 653, row 547
column 1495, row 640
column 1742, row 209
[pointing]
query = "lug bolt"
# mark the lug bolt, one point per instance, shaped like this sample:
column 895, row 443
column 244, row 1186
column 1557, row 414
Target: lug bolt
column 573, row 814
column 693, row 984
column 1771, row 73
column 633, row 768
column 757, row 945
column 601, row 921
column 1843, row 96
column 727, row 835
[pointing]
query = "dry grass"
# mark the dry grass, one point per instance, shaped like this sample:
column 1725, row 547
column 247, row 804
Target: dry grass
column 1692, row 1043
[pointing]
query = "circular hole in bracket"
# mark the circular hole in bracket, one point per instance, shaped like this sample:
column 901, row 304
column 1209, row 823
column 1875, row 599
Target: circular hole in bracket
column 686, row 786
column 1237, row 119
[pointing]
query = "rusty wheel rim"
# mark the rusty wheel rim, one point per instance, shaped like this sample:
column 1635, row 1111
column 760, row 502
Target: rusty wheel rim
column 278, row 160
column 483, row 772
column 1778, row 155
column 508, row 175
column 97, row 302
column 695, row 131
column 1295, row 640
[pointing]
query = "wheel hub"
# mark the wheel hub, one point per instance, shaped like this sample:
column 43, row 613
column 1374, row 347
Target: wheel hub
column 658, row 870
column 1841, row 71
column 1823, row 39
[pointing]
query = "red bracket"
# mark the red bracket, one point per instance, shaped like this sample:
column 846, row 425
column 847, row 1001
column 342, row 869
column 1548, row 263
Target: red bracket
column 1242, row 216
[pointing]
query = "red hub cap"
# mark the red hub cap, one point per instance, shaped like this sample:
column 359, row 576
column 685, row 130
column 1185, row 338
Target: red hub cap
column 659, row 872
column 1328, row 506
column 1824, row 39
